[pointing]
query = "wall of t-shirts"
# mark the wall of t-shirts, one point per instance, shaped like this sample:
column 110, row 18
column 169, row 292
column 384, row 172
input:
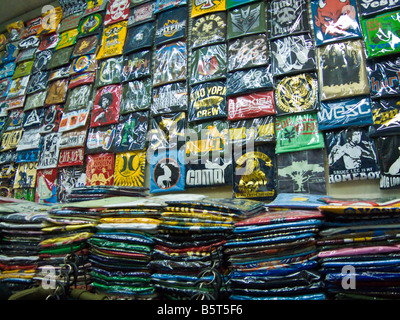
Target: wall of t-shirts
column 254, row 97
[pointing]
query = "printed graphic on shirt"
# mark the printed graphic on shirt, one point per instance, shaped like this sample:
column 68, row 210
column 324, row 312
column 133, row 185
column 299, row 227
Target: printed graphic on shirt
column 25, row 176
column 209, row 29
column 257, row 130
column 106, row 105
column 200, row 7
column 287, row 17
column 49, row 151
column 386, row 117
column 257, row 104
column 254, row 175
column 342, row 23
column 136, row 95
column 246, row 20
column 100, row 169
column 46, row 186
column 351, row 155
column 130, row 169
column 170, row 98
column 302, row 172
column 139, row 37
column 389, row 161
column 296, row 94
column 69, row 178
column 171, row 25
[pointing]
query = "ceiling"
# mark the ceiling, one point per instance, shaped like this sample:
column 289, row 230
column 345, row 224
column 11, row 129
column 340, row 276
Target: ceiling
column 10, row 10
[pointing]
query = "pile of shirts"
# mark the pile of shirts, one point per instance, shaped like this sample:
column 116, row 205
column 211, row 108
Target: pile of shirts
column 88, row 193
column 273, row 255
column 65, row 236
column 21, row 226
column 360, row 250
column 188, row 260
column 121, row 249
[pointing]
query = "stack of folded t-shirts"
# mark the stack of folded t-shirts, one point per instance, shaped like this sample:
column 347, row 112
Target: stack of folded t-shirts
column 273, row 256
column 360, row 250
column 89, row 193
column 188, row 260
column 121, row 250
column 66, row 232
column 21, row 226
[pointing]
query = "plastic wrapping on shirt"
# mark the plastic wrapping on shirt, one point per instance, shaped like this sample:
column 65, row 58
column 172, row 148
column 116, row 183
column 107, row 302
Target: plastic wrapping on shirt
column 37, row 82
column 94, row 6
column 171, row 25
column 208, row 154
column 113, row 40
column 49, row 151
column 136, row 65
column 298, row 132
column 42, row 59
column 109, row 72
column 170, row 63
column 388, row 157
column 35, row 100
column 48, row 42
column 383, row 77
column 247, row 19
column 67, row 39
column 199, row 8
column 139, row 37
column 71, row 157
column 209, row 29
column 252, row 105
column 100, row 139
column 59, row 73
column 73, row 119
column 29, row 43
column 258, row 130
column 255, row 173
column 23, row 69
column 247, row 52
column 87, row 45
column 296, row 94
column 386, row 117
column 84, row 63
column 100, row 169
column 72, row 139
column 106, row 105
column 10, row 139
column 343, row 113
column 131, row 132
column 381, row 34
column 32, row 27
column 351, row 155
column 162, row 5
column 91, row 24
column 136, row 95
column 302, row 171
column 57, row 92
column 33, row 118
column 60, row 58
column 70, row 20
column 81, row 79
column 208, row 63
column 18, row 87
column 343, row 23
column 78, row 98
column 169, row 98
column 130, row 169
column 69, row 178
column 5, row 85
column 167, row 131
column 141, row 13
column 370, row 8
column 10, row 53
column 117, row 10
column 342, row 70
column 30, row 139
column 25, row 176
column 46, row 186
column 7, row 70
column 207, row 101
column 167, row 171
column 287, row 17
column 293, row 54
